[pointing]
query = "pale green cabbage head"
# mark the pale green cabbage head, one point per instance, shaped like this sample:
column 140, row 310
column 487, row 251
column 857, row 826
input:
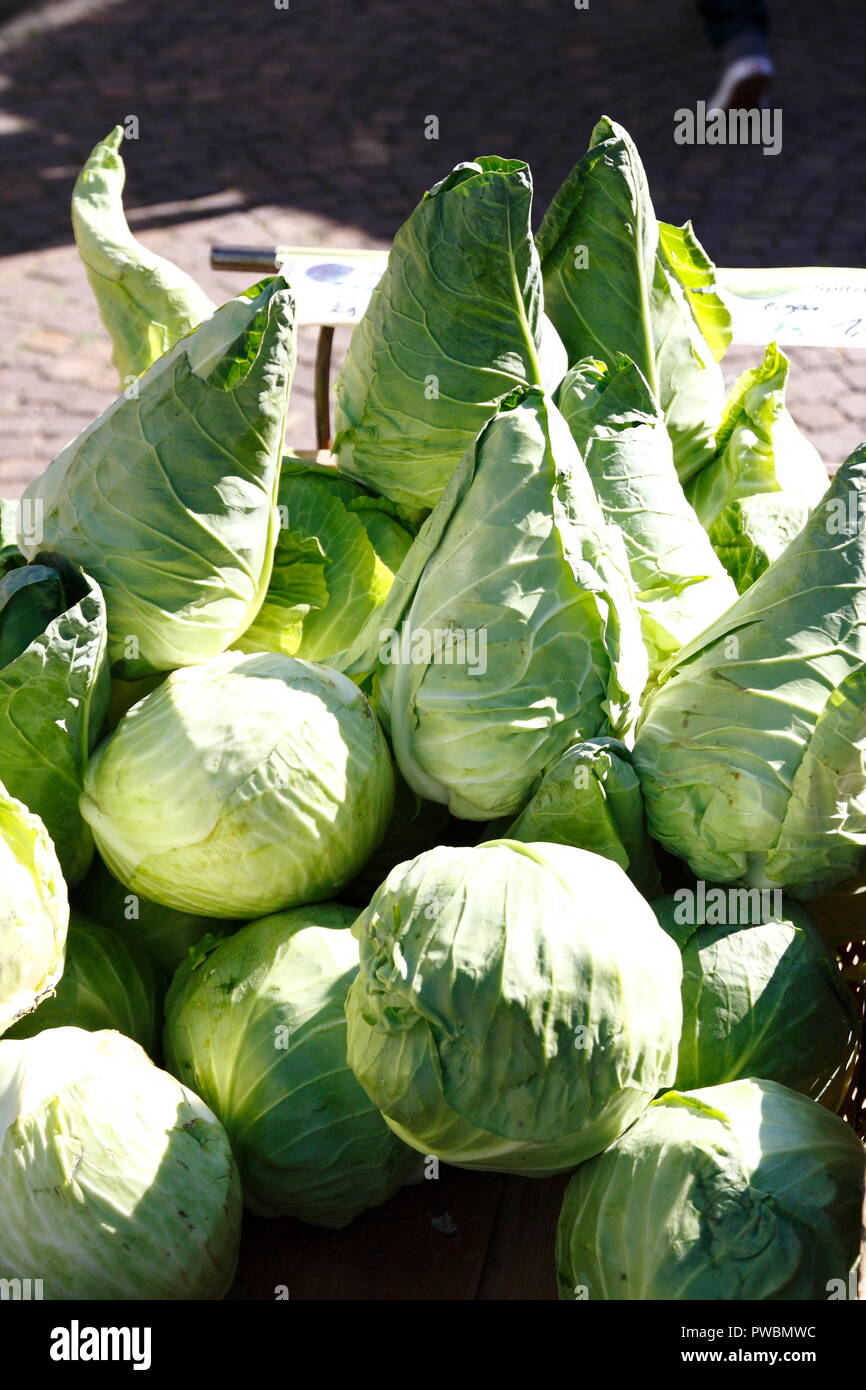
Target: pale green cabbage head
column 145, row 301
column 338, row 549
column 34, row 911
column 750, row 751
column 106, row 983
column 616, row 281
column 756, row 494
column 680, row 583
column 511, row 630
column 167, row 498
column 591, row 798
column 455, row 323
column 257, row 1026
column 242, row 787
column 517, row 1005
column 746, row 1191
column 116, row 1182
column 762, row 996
column 54, row 693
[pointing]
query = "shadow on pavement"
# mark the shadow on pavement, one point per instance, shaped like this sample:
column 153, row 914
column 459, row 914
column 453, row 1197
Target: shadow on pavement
column 323, row 107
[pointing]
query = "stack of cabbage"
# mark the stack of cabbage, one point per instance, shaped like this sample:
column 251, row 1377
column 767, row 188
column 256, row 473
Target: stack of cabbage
column 355, row 776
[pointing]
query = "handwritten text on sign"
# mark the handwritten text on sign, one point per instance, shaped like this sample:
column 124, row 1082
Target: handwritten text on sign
column 810, row 305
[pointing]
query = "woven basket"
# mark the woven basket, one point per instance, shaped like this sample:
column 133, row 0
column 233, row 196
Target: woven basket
column 842, row 915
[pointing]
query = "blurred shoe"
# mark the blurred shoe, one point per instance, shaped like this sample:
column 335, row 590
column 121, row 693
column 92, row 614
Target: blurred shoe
column 743, row 84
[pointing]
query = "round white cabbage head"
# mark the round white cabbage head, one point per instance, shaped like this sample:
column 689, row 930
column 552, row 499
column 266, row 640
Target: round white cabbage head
column 34, row 911
column 116, row 1182
column 517, row 1005
column 746, row 1191
column 241, row 787
column 257, row 1025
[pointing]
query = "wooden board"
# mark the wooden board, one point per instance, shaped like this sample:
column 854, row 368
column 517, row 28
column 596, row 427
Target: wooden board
column 463, row 1236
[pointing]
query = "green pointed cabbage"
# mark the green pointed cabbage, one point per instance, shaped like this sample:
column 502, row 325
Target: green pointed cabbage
column 750, row 751
column 680, row 583
column 617, row 281
column 742, row 1192
column 257, row 1026
column 54, row 691
column 242, row 787
column 454, row 323
column 34, row 911
column 116, row 1182
column 517, row 1005
column 105, row 984
column 758, row 491
column 762, row 996
column 511, row 629
column 145, row 301
column 167, row 499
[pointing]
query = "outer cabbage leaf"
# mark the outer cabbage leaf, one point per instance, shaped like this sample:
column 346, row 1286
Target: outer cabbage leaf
column 145, row 301
column 591, row 798
column 754, row 1193
column 454, row 323
column 516, row 1007
column 338, row 549
column 611, row 285
column 694, row 270
column 758, row 491
column 511, row 629
column 680, row 583
column 752, row 750
column 161, row 934
column 552, row 356
column 105, row 984
column 257, row 1026
column 10, row 556
column 168, row 498
column 34, row 911
column 762, row 996
column 54, row 691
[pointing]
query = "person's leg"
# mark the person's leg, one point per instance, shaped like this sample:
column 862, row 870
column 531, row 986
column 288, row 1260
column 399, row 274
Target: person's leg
column 738, row 30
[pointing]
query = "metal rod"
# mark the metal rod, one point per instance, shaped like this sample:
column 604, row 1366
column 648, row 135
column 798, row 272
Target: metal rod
column 323, row 387
column 250, row 258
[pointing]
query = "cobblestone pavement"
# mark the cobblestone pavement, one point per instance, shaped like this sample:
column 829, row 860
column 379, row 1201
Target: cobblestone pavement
column 306, row 125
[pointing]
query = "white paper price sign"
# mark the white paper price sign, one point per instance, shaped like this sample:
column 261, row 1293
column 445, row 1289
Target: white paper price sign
column 331, row 286
column 811, row 305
